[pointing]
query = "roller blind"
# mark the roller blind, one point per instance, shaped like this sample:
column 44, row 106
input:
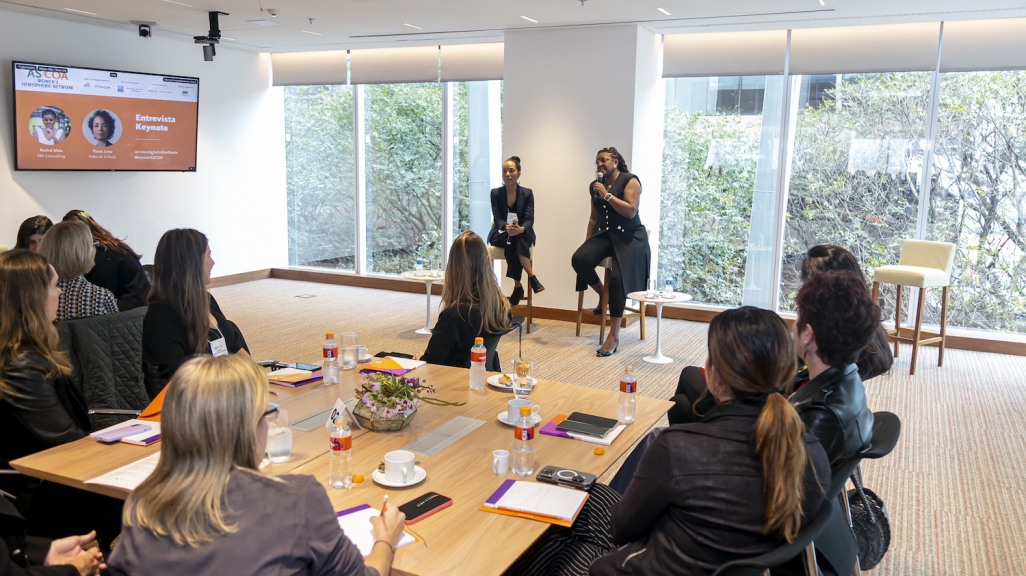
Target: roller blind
column 464, row 62
column 883, row 48
column 393, row 65
column 308, row 68
column 724, row 53
column 984, row 45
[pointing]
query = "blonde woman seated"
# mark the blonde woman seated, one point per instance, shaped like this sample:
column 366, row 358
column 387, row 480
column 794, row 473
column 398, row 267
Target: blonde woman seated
column 68, row 246
column 206, row 509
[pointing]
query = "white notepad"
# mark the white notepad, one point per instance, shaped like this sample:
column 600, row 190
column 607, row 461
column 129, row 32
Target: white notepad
column 130, row 476
column 540, row 499
column 355, row 523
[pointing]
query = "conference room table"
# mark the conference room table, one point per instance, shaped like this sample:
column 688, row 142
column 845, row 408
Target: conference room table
column 459, row 540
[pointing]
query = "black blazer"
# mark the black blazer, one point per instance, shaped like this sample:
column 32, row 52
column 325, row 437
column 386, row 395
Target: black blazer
column 164, row 338
column 123, row 275
column 697, row 499
column 524, row 208
column 833, row 407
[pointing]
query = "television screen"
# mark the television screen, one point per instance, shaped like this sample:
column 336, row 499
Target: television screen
column 69, row 118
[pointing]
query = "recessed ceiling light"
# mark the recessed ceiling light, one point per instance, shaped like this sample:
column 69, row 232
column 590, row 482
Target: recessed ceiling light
column 529, row 19
column 314, row 33
column 667, row 13
column 262, row 23
column 227, row 38
column 80, row 11
column 822, row 3
column 179, row 3
column 412, row 26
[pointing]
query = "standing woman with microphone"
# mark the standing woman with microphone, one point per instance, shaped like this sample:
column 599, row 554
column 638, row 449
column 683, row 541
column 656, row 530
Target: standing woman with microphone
column 614, row 230
column 513, row 228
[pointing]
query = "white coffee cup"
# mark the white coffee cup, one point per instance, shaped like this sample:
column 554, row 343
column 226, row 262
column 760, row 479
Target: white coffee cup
column 361, row 352
column 513, row 409
column 399, row 466
column 500, row 462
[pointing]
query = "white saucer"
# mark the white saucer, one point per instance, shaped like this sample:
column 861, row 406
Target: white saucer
column 419, row 475
column 365, row 359
column 504, row 415
column 493, row 381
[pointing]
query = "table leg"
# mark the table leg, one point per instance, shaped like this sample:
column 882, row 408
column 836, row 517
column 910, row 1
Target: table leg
column 658, row 357
column 427, row 323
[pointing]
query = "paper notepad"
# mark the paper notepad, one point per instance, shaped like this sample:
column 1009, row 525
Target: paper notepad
column 537, row 499
column 392, row 365
column 355, row 523
column 129, row 477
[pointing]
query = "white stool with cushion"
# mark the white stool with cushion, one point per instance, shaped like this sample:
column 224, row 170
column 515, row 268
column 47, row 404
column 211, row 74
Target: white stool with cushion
column 638, row 310
column 924, row 265
column 496, row 253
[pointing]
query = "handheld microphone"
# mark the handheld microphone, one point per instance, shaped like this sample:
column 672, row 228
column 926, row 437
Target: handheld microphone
column 600, row 177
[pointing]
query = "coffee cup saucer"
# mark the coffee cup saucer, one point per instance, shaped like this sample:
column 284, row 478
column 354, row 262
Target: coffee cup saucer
column 504, row 418
column 419, row 475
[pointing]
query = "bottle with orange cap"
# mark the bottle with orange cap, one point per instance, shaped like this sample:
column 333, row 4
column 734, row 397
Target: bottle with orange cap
column 330, row 369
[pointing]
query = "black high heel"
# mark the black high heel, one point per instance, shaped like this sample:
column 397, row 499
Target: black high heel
column 599, row 353
column 536, row 286
column 516, row 296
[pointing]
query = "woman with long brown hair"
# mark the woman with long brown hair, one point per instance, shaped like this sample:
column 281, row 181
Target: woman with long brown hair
column 31, row 232
column 117, row 266
column 472, row 304
column 183, row 318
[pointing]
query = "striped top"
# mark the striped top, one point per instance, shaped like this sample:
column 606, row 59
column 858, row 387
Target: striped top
column 80, row 299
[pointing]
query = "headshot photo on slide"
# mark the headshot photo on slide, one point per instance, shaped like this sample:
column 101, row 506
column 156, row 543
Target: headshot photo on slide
column 101, row 127
column 49, row 125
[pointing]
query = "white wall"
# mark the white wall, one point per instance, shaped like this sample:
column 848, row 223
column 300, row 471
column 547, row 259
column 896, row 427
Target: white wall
column 569, row 93
column 237, row 194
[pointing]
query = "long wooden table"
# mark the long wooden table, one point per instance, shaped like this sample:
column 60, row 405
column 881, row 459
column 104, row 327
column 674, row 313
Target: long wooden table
column 459, row 540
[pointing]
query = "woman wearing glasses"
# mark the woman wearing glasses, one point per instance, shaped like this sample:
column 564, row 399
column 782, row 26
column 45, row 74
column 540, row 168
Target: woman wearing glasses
column 207, row 509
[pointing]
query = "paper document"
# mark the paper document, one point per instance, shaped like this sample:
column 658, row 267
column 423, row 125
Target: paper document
column 130, row 476
column 355, row 523
column 539, row 499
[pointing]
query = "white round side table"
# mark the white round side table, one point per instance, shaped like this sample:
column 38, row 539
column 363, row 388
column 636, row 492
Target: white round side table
column 427, row 278
column 659, row 301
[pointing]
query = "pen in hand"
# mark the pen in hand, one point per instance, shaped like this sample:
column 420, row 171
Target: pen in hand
column 383, row 504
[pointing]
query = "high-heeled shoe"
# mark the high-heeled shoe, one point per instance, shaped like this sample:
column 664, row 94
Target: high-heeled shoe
column 601, row 354
column 597, row 311
column 536, row 286
column 516, row 296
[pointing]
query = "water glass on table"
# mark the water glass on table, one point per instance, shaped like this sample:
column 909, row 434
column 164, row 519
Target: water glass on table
column 651, row 292
column 279, row 437
column 350, row 353
column 523, row 383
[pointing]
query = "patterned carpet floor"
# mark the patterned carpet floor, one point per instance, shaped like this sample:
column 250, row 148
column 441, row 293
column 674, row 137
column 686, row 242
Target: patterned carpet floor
column 955, row 486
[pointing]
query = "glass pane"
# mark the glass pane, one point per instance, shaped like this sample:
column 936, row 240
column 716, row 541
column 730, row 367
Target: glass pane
column 477, row 142
column 712, row 130
column 319, row 176
column 978, row 199
column 858, row 152
column 404, row 175
column 461, row 161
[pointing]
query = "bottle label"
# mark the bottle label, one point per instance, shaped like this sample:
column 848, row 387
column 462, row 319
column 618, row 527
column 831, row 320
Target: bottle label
column 478, row 356
column 524, row 433
column 631, row 387
column 331, row 352
column 341, row 444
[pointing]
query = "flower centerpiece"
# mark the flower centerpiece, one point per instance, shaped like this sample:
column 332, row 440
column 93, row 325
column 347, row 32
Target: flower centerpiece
column 389, row 402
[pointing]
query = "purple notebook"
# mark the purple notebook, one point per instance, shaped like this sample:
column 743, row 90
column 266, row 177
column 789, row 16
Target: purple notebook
column 551, row 430
column 493, row 500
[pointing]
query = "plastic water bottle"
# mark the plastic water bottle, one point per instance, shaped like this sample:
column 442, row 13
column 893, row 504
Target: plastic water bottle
column 628, row 401
column 340, row 462
column 668, row 289
column 419, row 268
column 477, row 364
column 523, row 444
column 330, row 369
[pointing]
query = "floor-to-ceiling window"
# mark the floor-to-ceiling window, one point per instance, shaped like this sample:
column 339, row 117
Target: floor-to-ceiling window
column 477, row 142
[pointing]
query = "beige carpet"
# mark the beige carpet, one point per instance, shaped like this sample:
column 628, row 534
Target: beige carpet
column 955, row 487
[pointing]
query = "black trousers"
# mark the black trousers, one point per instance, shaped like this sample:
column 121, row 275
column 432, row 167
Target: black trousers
column 514, row 247
column 594, row 250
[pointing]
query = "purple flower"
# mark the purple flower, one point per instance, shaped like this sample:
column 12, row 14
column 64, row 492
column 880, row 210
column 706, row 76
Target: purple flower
column 376, row 388
column 374, row 409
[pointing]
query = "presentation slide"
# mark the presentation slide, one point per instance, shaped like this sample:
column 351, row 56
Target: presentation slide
column 85, row 119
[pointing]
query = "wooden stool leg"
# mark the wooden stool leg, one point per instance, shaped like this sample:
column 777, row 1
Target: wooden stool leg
column 876, row 292
column 604, row 302
column 530, row 308
column 943, row 325
column 897, row 319
column 642, row 304
column 918, row 330
column 580, row 309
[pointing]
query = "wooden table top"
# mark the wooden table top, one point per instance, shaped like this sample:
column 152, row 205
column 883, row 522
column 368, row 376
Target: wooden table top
column 459, row 540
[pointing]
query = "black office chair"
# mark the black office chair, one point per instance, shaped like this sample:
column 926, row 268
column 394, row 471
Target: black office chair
column 802, row 545
column 886, row 431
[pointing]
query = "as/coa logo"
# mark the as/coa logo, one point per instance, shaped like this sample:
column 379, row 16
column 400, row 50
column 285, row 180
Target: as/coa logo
column 49, row 75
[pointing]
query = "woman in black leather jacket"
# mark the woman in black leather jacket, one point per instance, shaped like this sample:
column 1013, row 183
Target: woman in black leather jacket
column 836, row 321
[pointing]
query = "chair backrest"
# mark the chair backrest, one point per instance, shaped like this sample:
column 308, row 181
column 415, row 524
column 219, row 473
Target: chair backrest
column 886, row 431
column 758, row 565
column 491, row 344
column 926, row 254
column 106, row 359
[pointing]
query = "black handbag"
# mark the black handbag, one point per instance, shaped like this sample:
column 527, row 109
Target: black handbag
column 870, row 524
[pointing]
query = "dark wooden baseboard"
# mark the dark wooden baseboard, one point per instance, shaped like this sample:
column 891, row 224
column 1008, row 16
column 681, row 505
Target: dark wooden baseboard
column 240, row 278
column 396, row 284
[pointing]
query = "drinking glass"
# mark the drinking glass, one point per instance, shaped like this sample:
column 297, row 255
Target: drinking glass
column 279, row 438
column 350, row 354
column 651, row 292
column 523, row 383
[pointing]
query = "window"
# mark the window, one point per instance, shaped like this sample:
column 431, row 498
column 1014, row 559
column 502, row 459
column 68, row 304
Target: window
column 978, row 199
column 857, row 158
column 320, row 176
column 477, row 148
column 403, row 140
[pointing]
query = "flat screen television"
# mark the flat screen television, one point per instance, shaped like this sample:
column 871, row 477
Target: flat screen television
column 68, row 118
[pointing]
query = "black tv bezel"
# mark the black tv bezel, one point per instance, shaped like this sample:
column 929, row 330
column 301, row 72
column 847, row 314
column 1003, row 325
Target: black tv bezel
column 14, row 121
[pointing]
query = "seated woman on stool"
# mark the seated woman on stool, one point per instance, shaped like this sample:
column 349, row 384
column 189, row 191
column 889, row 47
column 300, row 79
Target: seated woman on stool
column 614, row 230
column 207, row 509
column 472, row 304
column 515, row 239
column 699, row 497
